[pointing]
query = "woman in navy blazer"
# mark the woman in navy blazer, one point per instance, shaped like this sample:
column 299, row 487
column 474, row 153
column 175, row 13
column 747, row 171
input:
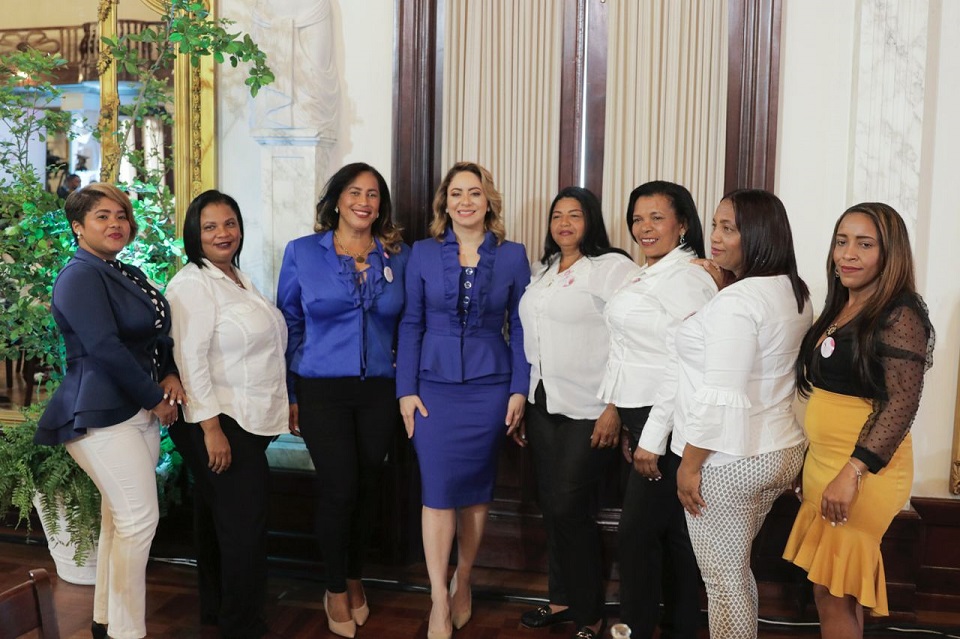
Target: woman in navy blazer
column 120, row 381
column 341, row 294
column 462, row 387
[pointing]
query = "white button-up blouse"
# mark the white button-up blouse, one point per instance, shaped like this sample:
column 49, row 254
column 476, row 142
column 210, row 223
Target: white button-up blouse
column 564, row 335
column 229, row 345
column 732, row 387
column 642, row 318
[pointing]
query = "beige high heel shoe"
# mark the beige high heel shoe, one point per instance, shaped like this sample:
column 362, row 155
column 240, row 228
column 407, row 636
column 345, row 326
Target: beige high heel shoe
column 459, row 618
column 437, row 634
column 361, row 614
column 346, row 629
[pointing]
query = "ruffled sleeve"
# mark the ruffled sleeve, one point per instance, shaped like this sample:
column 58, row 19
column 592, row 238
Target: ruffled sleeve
column 906, row 352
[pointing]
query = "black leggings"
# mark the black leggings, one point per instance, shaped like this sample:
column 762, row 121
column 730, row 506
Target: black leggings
column 568, row 480
column 348, row 425
column 656, row 558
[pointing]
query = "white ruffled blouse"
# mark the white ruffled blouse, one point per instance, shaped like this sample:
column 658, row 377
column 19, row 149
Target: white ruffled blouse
column 731, row 387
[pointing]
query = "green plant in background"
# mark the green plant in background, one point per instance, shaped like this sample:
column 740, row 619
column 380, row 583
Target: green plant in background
column 34, row 239
column 36, row 242
column 48, row 471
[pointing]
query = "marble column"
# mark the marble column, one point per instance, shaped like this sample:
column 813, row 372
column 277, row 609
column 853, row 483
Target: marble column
column 888, row 104
column 293, row 162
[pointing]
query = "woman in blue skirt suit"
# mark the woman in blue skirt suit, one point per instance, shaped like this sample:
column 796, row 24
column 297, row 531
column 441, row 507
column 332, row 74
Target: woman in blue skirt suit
column 462, row 386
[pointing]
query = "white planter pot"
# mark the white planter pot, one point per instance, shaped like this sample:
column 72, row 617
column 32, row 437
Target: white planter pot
column 62, row 550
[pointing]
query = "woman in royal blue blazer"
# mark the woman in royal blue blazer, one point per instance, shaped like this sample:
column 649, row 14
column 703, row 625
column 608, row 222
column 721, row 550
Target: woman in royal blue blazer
column 341, row 294
column 120, row 382
column 462, row 387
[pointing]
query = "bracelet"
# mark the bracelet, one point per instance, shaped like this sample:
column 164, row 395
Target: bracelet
column 858, row 471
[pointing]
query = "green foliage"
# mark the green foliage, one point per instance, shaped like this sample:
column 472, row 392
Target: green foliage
column 27, row 469
column 35, row 241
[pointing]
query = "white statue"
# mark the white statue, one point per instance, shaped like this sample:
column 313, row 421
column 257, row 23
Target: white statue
column 297, row 37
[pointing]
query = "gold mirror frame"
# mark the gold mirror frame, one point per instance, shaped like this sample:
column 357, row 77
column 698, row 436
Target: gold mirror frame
column 194, row 130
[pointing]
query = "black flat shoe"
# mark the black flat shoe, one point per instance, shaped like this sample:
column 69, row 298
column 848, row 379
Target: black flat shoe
column 586, row 632
column 98, row 630
column 542, row 617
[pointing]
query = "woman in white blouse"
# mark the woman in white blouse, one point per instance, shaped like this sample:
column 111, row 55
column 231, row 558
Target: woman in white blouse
column 656, row 559
column 572, row 434
column 730, row 394
column 229, row 342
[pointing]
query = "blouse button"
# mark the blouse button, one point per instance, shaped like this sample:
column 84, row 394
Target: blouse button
column 469, row 271
column 468, row 285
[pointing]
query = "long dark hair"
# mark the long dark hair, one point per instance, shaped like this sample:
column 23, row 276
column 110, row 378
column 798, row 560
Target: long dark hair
column 683, row 206
column 896, row 287
column 594, row 241
column 383, row 227
column 766, row 241
column 191, row 225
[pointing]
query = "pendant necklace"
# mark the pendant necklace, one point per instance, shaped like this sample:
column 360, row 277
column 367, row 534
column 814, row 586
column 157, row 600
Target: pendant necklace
column 359, row 258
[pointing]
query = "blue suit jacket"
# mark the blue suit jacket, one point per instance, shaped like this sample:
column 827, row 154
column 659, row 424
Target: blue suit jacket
column 333, row 330
column 434, row 345
column 108, row 327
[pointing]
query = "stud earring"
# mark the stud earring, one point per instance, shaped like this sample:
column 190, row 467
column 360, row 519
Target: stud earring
column 336, row 210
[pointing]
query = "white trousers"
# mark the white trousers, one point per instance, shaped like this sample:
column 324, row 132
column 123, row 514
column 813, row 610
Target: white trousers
column 738, row 496
column 121, row 460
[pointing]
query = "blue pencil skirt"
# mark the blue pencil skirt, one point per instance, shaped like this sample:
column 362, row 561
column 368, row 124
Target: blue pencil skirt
column 458, row 443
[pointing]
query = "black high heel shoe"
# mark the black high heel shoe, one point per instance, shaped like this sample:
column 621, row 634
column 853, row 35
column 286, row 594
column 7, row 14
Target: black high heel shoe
column 98, row 630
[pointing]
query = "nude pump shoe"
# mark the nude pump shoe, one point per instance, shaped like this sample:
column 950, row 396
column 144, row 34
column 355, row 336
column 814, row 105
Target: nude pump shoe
column 346, row 629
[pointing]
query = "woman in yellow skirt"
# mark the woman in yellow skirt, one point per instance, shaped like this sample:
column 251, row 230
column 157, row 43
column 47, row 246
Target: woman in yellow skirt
column 861, row 365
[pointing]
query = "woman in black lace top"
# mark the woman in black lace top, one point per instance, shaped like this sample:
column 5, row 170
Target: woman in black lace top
column 862, row 366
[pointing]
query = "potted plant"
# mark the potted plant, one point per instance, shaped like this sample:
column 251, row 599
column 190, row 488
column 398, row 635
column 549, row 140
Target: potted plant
column 35, row 243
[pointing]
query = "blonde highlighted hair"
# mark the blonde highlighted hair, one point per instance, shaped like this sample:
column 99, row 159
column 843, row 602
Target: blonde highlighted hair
column 82, row 201
column 492, row 221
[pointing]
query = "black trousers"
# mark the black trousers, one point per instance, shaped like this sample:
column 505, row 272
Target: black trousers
column 348, row 424
column 568, row 478
column 230, row 527
column 656, row 558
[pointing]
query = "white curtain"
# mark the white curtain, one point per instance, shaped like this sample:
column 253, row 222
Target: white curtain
column 501, row 103
column 666, row 103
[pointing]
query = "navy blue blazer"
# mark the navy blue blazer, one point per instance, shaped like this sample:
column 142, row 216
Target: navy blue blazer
column 108, row 327
column 433, row 343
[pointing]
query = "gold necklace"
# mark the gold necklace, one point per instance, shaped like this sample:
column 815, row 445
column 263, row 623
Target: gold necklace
column 360, row 257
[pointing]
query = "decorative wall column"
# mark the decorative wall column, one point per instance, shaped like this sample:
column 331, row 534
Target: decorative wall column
column 295, row 119
column 293, row 166
column 888, row 104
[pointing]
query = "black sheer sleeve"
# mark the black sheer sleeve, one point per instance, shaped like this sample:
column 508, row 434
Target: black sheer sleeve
column 905, row 349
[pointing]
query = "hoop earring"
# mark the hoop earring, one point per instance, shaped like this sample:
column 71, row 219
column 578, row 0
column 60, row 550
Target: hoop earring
column 683, row 238
column 836, row 272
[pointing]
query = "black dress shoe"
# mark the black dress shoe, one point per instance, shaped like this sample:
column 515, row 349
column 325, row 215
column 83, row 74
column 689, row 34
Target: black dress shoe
column 542, row 617
column 98, row 630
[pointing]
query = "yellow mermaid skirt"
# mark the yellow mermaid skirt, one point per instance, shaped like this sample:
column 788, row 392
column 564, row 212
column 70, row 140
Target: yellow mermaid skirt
column 846, row 559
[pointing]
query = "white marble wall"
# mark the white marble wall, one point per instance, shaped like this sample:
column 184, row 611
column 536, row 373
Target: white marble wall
column 255, row 165
column 890, row 89
column 868, row 104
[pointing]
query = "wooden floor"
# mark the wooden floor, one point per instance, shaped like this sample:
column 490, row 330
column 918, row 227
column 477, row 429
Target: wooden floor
column 294, row 610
